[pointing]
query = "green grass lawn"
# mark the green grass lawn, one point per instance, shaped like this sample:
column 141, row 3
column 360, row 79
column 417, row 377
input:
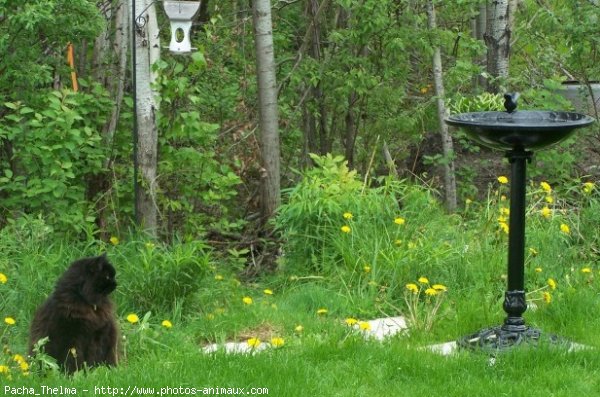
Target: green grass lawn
column 359, row 272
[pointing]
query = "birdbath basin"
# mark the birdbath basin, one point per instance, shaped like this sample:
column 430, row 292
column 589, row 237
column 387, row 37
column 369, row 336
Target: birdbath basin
column 527, row 129
column 517, row 133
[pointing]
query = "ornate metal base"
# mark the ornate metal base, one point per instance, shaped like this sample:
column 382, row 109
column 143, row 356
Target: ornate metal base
column 503, row 337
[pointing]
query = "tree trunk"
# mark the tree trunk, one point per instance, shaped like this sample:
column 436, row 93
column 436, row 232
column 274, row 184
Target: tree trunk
column 120, row 48
column 268, row 114
column 98, row 185
column 351, row 129
column 497, row 39
column 479, row 34
column 447, row 144
column 146, row 108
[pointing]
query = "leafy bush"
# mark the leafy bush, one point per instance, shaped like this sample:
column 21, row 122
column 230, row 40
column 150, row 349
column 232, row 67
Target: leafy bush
column 334, row 224
column 197, row 187
column 53, row 149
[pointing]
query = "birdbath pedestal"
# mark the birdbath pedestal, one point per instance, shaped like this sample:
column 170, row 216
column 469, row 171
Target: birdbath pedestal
column 518, row 134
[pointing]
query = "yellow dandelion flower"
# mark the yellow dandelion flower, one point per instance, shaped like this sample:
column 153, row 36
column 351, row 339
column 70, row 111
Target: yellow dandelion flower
column 18, row 358
column 586, row 270
column 423, row 280
column 24, row 366
column 166, row 324
column 267, row 292
column 431, row 292
column 546, row 212
column 565, row 228
column 439, row 287
column 504, row 227
column 588, row 187
column 253, row 342
column 132, row 318
column 546, row 187
column 502, row 219
column 247, row 300
column 399, row 221
column 322, row 311
column 503, row 198
column 4, row 369
column 348, row 215
column 503, row 180
column 350, row 321
column 277, row 342
column 549, row 199
column 552, row 283
column 114, row 240
column 364, row 326
column 218, row 277
column 298, row 329
column 9, row 320
column 538, row 269
column 424, row 90
column 504, row 211
column 533, row 252
column 547, row 297
column 367, row 269
column 3, row 278
column 345, row 229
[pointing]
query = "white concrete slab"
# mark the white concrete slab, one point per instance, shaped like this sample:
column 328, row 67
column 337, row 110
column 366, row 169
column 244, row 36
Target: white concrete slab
column 382, row 328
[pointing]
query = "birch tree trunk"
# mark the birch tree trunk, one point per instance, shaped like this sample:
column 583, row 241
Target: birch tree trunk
column 120, row 48
column 447, row 144
column 497, row 40
column 267, row 101
column 146, row 45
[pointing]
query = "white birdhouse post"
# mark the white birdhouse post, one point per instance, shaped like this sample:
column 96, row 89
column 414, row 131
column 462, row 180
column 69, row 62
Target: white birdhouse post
column 180, row 15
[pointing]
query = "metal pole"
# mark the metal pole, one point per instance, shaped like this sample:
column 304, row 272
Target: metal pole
column 514, row 302
column 135, row 123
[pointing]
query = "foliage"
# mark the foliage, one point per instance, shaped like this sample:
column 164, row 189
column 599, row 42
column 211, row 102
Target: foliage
column 33, row 37
column 560, row 39
column 334, row 225
column 483, row 102
column 197, row 186
column 54, row 146
column 159, row 279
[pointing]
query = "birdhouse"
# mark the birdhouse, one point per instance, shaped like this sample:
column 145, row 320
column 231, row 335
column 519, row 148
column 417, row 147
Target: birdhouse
column 180, row 15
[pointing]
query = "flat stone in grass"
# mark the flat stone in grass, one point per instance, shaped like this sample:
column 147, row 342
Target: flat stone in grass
column 378, row 329
column 235, row 348
column 382, row 328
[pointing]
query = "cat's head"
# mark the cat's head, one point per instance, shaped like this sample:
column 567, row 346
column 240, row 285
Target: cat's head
column 102, row 275
column 94, row 277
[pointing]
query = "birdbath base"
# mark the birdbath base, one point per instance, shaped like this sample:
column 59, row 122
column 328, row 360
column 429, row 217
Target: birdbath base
column 502, row 338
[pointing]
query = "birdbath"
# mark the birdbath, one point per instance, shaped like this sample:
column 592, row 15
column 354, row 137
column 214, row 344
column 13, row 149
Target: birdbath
column 518, row 134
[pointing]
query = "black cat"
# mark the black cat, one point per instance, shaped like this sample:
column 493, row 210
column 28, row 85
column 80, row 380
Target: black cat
column 78, row 318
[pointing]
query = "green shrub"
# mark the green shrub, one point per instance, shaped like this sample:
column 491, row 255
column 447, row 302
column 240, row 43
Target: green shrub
column 374, row 239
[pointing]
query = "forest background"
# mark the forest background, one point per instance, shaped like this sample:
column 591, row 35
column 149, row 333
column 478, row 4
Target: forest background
column 368, row 80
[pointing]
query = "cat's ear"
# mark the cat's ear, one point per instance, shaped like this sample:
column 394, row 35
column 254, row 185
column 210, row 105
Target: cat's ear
column 98, row 263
